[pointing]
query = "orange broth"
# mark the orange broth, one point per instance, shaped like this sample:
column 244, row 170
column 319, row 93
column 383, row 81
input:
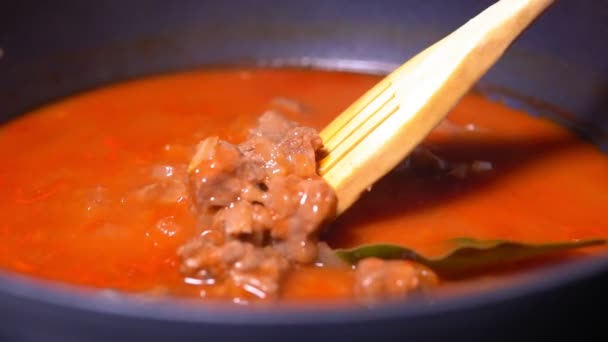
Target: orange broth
column 71, row 209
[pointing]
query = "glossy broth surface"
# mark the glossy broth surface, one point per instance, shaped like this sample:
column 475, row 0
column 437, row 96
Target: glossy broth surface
column 81, row 202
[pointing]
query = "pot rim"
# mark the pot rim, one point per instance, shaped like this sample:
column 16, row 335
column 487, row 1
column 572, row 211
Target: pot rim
column 129, row 306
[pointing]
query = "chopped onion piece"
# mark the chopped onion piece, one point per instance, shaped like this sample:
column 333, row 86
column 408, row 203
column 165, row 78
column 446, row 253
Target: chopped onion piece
column 205, row 150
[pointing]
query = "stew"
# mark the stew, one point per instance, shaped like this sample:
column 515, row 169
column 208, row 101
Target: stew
column 203, row 184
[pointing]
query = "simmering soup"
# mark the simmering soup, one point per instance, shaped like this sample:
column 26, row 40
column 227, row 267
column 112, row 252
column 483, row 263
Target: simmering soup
column 110, row 189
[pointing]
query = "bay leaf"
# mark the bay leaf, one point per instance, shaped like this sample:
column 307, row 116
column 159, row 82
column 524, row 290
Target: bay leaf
column 466, row 254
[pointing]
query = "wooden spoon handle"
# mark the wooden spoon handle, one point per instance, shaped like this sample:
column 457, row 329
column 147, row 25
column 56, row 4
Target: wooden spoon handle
column 382, row 127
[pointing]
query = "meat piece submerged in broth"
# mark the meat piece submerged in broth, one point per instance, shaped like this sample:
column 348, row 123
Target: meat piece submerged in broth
column 260, row 204
column 378, row 279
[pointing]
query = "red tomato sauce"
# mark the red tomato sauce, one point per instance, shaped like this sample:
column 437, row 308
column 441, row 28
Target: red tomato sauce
column 88, row 199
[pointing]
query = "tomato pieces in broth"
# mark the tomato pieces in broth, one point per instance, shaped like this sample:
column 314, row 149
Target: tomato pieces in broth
column 94, row 194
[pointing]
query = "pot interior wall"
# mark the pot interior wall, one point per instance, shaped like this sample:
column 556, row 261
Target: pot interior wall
column 51, row 50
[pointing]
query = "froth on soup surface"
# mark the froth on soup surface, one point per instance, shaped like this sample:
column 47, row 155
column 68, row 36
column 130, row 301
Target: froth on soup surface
column 95, row 190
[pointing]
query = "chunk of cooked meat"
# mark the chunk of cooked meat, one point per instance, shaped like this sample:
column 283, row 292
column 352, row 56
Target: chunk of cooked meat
column 377, row 279
column 261, row 205
column 238, row 265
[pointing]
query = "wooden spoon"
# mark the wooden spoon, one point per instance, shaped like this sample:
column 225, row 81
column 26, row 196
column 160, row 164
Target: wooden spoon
column 382, row 127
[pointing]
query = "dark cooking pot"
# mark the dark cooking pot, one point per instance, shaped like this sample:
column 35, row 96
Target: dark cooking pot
column 52, row 49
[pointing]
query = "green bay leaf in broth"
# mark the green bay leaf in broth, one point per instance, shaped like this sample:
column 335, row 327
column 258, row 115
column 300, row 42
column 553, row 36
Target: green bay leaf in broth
column 466, row 254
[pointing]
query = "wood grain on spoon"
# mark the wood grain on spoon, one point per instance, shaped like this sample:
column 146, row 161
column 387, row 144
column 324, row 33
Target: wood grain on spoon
column 382, row 127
